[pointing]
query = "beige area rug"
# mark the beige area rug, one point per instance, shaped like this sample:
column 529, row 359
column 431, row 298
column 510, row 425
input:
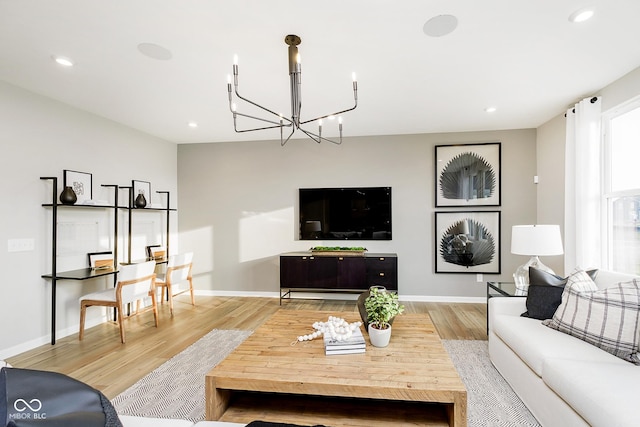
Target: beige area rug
column 490, row 399
column 176, row 388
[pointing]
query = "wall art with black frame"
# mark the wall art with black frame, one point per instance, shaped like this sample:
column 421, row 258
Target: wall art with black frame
column 468, row 175
column 467, row 242
column 81, row 183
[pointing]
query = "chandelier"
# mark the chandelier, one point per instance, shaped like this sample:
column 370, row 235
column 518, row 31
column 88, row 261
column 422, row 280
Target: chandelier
column 281, row 122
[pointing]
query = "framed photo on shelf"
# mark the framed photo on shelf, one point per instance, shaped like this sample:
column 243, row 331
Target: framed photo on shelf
column 468, row 175
column 467, row 242
column 80, row 182
column 141, row 187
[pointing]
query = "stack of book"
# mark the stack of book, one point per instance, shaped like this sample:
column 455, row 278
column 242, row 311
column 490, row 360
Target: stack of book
column 355, row 344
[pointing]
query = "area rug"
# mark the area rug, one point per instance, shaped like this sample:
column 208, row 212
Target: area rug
column 176, row 388
column 490, row 400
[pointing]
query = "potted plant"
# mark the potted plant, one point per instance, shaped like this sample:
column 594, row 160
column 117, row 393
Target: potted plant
column 381, row 306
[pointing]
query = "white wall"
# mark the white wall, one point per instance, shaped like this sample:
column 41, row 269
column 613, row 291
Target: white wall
column 550, row 144
column 550, row 169
column 239, row 205
column 41, row 137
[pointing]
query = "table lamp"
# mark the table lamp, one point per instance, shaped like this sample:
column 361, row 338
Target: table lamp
column 534, row 240
column 313, row 229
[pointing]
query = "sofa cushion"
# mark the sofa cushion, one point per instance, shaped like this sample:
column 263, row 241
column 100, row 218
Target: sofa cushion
column 545, row 293
column 604, row 394
column 131, row 421
column 606, row 318
column 534, row 343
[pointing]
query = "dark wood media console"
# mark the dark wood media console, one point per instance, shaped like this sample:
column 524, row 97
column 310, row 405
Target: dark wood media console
column 306, row 272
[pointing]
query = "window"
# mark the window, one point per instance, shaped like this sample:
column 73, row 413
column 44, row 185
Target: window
column 622, row 188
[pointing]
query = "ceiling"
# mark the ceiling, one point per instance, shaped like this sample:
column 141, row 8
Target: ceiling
column 522, row 57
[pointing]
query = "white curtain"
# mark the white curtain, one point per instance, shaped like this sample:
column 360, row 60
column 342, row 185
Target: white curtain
column 582, row 237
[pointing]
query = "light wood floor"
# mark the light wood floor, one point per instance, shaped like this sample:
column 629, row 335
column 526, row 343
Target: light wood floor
column 101, row 361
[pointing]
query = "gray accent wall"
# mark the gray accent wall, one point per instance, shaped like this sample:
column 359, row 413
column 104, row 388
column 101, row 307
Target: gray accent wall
column 239, row 205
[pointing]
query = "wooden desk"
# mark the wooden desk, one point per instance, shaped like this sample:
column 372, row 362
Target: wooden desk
column 80, row 274
column 412, row 381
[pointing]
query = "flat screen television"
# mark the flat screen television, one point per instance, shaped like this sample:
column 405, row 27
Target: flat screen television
column 345, row 213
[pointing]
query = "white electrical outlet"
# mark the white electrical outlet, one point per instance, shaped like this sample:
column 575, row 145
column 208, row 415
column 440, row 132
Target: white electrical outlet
column 20, row 245
column 478, row 277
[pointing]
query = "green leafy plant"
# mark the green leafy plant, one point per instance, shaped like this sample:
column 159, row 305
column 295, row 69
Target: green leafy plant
column 382, row 306
column 338, row 248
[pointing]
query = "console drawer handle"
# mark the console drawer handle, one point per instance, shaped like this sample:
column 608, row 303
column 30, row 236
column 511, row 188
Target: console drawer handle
column 381, row 259
column 340, row 258
column 381, row 274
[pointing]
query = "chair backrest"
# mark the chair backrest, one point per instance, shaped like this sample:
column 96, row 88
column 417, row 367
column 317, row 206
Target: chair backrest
column 135, row 281
column 100, row 259
column 179, row 267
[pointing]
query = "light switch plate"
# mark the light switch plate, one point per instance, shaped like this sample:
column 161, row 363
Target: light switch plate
column 20, row 245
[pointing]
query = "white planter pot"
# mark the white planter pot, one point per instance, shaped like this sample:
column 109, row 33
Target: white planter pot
column 379, row 337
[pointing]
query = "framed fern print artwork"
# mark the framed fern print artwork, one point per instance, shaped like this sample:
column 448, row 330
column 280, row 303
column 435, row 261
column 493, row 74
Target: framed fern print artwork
column 467, row 242
column 468, row 174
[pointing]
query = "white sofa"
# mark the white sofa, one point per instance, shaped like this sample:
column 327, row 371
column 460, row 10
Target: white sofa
column 129, row 421
column 563, row 380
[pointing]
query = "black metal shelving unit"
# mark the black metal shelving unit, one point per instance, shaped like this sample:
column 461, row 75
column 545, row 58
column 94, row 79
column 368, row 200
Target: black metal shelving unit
column 88, row 273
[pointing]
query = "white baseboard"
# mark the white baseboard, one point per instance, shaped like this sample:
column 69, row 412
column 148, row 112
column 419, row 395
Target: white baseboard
column 342, row 296
column 46, row 339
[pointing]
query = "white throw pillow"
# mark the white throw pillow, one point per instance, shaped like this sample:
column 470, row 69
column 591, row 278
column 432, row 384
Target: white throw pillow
column 607, row 318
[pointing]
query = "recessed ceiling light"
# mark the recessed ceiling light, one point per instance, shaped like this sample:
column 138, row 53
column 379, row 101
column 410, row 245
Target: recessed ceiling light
column 581, row 15
column 66, row 62
column 193, row 124
column 440, row 25
column 490, row 109
column 155, row 51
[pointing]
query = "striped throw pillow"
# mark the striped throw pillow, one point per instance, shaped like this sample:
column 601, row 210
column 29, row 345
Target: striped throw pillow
column 607, row 318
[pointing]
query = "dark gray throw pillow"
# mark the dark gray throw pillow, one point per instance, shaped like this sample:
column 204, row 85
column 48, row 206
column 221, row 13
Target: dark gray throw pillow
column 545, row 293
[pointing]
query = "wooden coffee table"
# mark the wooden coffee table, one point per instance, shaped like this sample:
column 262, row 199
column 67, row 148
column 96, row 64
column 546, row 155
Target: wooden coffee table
column 412, row 381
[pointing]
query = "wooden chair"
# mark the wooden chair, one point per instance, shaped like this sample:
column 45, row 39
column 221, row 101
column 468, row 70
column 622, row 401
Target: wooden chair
column 135, row 282
column 178, row 272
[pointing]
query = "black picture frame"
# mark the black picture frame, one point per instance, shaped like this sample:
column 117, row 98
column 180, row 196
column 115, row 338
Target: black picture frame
column 141, row 186
column 80, row 182
column 468, row 242
column 468, row 175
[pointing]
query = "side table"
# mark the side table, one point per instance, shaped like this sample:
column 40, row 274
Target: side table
column 500, row 289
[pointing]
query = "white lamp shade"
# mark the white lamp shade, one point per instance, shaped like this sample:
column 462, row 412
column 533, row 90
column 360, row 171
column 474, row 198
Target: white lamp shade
column 536, row 240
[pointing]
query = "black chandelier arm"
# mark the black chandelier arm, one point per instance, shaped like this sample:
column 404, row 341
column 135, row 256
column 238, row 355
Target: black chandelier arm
column 276, row 124
column 332, row 114
column 282, row 142
column 258, row 105
column 318, row 138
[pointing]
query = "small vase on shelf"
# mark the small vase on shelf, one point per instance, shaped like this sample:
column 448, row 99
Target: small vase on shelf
column 68, row 196
column 140, row 201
